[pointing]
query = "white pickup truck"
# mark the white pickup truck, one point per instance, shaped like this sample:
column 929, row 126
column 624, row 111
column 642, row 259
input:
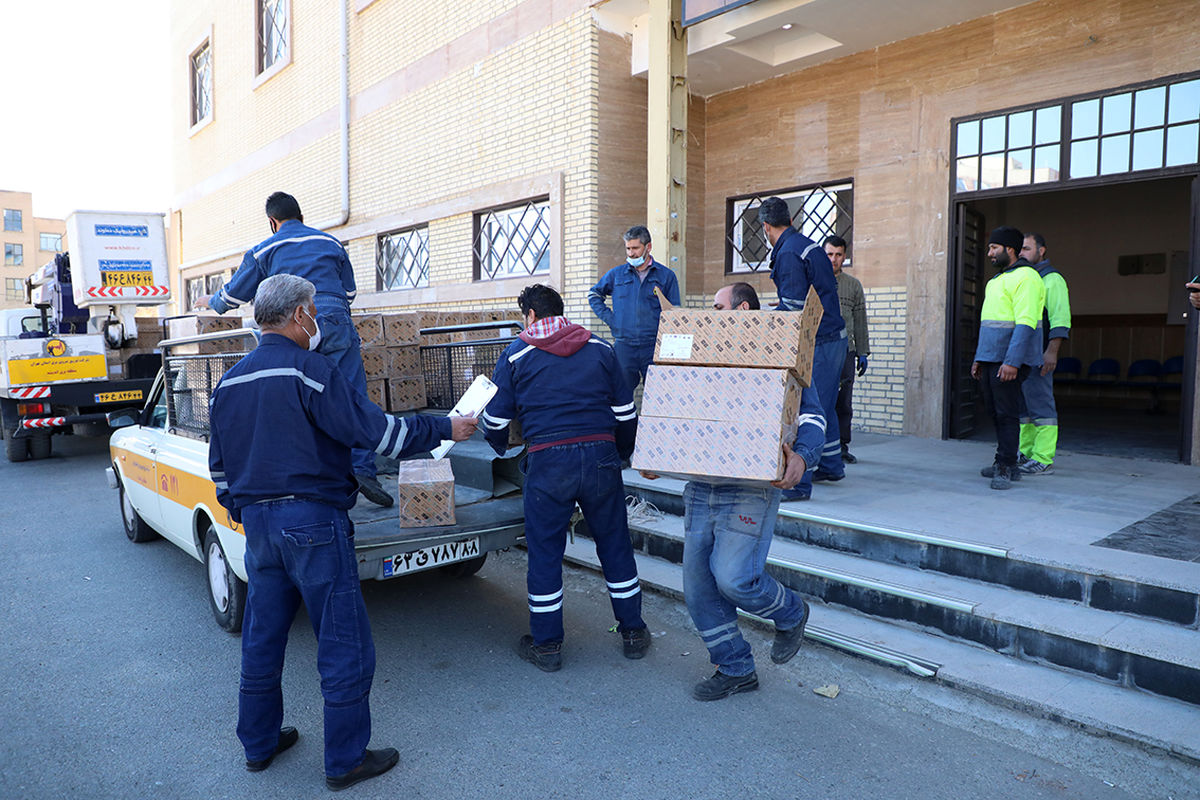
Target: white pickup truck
column 160, row 471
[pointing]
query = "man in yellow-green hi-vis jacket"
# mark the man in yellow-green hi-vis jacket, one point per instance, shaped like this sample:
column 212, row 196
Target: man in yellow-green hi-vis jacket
column 1010, row 345
column 1039, row 421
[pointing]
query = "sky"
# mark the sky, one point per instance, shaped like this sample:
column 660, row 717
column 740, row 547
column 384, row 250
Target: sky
column 84, row 104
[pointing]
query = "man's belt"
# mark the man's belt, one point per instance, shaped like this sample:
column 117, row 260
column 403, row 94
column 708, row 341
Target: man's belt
column 591, row 437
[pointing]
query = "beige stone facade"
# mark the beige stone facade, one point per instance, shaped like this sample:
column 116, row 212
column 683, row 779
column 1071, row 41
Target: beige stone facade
column 462, row 107
column 25, row 247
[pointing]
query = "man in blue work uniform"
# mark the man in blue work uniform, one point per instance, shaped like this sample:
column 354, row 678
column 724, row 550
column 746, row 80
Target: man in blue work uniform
column 729, row 527
column 578, row 420
column 296, row 249
column 797, row 263
column 633, row 318
column 283, row 422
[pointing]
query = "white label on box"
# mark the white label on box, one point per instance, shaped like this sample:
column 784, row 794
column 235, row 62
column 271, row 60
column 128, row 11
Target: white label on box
column 676, row 346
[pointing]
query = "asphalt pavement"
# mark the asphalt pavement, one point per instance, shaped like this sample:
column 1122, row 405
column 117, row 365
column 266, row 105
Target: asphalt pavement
column 118, row 684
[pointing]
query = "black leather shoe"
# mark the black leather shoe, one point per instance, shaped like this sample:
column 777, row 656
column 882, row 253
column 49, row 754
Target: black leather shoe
column 375, row 763
column 546, row 657
column 636, row 642
column 788, row 642
column 848, row 457
column 821, row 476
column 287, row 738
column 373, row 491
column 721, row 685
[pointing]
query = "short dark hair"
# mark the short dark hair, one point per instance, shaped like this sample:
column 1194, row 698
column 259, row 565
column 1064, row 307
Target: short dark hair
column 639, row 232
column 743, row 293
column 774, row 211
column 283, row 206
column 836, row 241
column 542, row 300
column 1038, row 239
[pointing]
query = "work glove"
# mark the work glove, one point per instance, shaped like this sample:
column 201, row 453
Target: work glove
column 862, row 366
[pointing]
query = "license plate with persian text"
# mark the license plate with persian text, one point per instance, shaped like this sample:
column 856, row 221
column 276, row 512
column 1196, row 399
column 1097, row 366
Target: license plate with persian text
column 429, row 557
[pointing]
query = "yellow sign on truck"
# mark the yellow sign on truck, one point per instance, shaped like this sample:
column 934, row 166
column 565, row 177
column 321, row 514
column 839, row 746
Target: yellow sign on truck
column 38, row 362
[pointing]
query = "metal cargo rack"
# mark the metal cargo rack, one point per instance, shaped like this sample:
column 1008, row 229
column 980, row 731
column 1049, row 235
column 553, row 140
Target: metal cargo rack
column 191, row 375
column 450, row 367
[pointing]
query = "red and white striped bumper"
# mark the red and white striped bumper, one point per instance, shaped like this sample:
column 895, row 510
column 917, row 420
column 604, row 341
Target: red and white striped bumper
column 30, row 392
column 43, row 422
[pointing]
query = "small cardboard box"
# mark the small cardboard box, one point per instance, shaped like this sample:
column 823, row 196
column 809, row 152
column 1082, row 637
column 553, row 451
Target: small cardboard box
column 406, row 394
column 403, row 361
column 370, row 329
column 764, row 339
column 401, row 328
column 377, row 392
column 207, row 323
column 717, row 422
column 425, row 494
column 375, row 363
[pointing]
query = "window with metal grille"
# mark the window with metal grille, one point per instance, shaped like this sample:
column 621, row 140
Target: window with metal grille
column 195, row 288
column 817, row 211
column 12, row 219
column 214, row 282
column 51, row 242
column 202, row 86
column 402, row 259
column 1149, row 127
column 273, row 33
column 14, row 255
column 14, row 289
column 513, row 241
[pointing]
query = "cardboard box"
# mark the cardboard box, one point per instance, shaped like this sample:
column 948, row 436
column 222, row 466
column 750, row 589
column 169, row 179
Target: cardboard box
column 377, row 392
column 402, row 328
column 375, row 363
column 207, row 323
column 406, row 394
column 717, row 422
column 425, row 494
column 370, row 329
column 760, row 339
column 403, row 361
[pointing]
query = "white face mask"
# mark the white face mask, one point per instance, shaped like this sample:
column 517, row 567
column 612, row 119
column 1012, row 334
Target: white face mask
column 314, row 339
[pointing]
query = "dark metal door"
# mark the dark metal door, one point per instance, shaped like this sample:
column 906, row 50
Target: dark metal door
column 964, row 404
column 1187, row 452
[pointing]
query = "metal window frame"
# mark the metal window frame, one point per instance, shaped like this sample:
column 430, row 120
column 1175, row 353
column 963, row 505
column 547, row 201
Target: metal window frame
column 201, row 89
column 479, row 257
column 268, row 61
column 14, row 254
column 421, row 232
column 19, row 216
column 731, row 218
column 1066, row 140
column 42, row 242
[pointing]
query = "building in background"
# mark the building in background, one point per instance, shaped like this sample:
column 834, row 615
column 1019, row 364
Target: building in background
column 29, row 242
column 462, row 150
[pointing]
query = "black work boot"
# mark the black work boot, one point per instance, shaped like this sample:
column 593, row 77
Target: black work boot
column 788, row 642
column 1002, row 477
column 635, row 642
column 373, row 491
column 546, row 657
column 375, row 763
column 287, row 738
column 721, row 685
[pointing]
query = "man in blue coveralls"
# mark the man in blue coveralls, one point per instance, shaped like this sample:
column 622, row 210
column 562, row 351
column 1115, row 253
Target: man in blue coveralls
column 296, row 249
column 577, row 417
column 633, row 318
column 729, row 527
column 797, row 263
column 283, row 422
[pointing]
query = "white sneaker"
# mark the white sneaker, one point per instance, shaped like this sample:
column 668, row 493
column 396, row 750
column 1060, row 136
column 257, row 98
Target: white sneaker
column 1032, row 467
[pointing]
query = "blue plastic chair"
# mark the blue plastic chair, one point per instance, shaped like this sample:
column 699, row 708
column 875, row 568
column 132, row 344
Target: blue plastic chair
column 1068, row 368
column 1172, row 366
column 1104, row 369
column 1145, row 368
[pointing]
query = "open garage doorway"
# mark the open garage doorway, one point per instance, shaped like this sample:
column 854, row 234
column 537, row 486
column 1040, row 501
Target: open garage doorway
column 1124, row 383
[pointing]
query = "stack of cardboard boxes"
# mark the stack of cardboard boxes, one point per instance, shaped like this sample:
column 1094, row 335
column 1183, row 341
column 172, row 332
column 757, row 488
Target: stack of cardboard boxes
column 723, row 394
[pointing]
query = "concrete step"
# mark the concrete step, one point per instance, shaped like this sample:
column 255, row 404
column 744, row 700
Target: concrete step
column 1127, row 650
column 1094, row 705
column 1097, row 577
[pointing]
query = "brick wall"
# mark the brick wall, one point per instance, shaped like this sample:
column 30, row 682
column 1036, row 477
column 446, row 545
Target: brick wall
column 879, row 395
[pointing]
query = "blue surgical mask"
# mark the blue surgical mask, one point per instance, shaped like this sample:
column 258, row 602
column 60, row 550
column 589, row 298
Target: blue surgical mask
column 636, row 262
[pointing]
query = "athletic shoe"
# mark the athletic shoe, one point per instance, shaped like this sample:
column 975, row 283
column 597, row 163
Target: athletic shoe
column 635, row 642
column 788, row 642
column 546, row 657
column 287, row 738
column 1033, row 467
column 375, row 763
column 721, row 685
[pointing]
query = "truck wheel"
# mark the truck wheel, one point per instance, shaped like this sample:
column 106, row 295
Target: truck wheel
column 465, row 569
column 136, row 528
column 226, row 591
column 39, row 446
column 16, row 448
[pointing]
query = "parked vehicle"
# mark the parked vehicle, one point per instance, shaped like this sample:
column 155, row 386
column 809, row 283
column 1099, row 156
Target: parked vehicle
column 160, row 471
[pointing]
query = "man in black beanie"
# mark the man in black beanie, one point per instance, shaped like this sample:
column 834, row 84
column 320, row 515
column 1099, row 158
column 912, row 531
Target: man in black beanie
column 1010, row 344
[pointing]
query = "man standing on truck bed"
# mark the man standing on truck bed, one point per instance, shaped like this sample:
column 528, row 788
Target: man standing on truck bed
column 576, row 412
column 296, row 249
column 283, row 422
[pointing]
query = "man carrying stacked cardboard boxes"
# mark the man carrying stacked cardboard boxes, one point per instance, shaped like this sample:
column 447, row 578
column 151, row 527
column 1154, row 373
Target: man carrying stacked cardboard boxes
column 727, row 430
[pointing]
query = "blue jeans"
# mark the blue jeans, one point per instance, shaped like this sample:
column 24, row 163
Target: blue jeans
column 588, row 473
column 828, row 360
column 728, row 530
column 298, row 550
column 634, row 360
column 340, row 342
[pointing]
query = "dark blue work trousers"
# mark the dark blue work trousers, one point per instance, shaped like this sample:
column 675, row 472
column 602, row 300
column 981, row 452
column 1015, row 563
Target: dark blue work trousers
column 298, row 550
column 587, row 473
column 828, row 359
column 634, row 359
column 340, row 342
